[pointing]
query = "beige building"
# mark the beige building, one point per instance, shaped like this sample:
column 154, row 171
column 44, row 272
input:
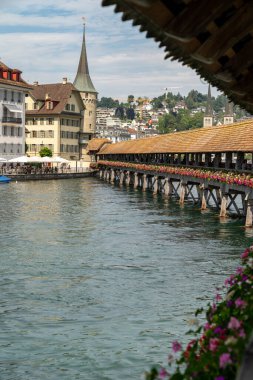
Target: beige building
column 54, row 119
column 88, row 94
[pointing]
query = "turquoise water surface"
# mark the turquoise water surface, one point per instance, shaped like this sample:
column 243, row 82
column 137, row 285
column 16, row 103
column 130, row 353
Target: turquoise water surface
column 97, row 280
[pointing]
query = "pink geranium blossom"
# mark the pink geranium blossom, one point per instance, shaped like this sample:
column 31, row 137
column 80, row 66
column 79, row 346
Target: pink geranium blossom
column 163, row 373
column 234, row 324
column 176, row 346
column 240, row 304
column 224, row 360
column 213, row 344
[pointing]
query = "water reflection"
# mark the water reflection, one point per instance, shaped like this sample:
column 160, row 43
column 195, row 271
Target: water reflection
column 99, row 279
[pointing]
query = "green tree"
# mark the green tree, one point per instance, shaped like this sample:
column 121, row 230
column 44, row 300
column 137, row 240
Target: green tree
column 130, row 99
column 46, row 152
column 219, row 103
column 120, row 112
column 167, row 123
column 130, row 114
column 108, row 103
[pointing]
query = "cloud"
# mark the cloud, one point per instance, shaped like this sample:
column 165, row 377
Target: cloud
column 43, row 39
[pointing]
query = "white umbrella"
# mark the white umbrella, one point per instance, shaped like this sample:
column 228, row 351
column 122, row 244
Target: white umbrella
column 47, row 159
column 2, row 159
column 20, row 159
column 60, row 160
column 35, row 159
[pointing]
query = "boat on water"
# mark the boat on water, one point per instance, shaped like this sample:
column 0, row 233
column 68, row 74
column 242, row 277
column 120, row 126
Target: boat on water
column 4, row 179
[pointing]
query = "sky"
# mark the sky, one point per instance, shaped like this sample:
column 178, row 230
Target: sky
column 43, row 39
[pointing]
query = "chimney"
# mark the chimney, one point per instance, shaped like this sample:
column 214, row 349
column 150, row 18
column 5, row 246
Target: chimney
column 47, row 97
column 64, row 80
column 36, row 83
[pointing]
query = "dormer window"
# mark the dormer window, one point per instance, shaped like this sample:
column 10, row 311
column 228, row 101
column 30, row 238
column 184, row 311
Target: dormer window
column 49, row 105
column 35, row 106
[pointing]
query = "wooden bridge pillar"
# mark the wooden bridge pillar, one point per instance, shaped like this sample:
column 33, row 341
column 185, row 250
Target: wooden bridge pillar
column 121, row 179
column 112, row 176
column 182, row 192
column 136, row 180
column 223, row 206
column 168, row 187
column 202, row 193
column 155, row 185
column 249, row 213
column 128, row 178
column 144, row 182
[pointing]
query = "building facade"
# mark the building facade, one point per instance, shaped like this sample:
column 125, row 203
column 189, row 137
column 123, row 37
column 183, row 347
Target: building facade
column 12, row 112
column 54, row 119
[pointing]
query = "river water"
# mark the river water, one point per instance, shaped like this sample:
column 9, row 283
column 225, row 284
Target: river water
column 97, row 280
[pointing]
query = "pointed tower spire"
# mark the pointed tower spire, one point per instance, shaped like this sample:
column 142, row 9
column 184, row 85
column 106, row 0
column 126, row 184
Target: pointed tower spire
column 83, row 81
column 208, row 118
column 209, row 107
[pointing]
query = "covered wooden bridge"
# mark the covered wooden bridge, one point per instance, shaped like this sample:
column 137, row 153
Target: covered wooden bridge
column 210, row 166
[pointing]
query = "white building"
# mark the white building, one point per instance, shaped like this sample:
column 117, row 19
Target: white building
column 12, row 112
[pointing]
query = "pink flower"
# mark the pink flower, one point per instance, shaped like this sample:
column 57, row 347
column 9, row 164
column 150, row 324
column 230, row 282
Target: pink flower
column 234, row 324
column 207, row 326
column 240, row 303
column 218, row 297
column 176, row 346
column 225, row 359
column 242, row 334
column 239, row 270
column 213, row 344
column 163, row 373
column 245, row 254
column 220, row 378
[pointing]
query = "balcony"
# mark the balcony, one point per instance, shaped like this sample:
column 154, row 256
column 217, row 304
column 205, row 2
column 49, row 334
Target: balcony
column 14, row 120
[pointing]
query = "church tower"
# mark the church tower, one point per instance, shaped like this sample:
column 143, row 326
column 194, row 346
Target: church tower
column 229, row 113
column 208, row 118
column 88, row 94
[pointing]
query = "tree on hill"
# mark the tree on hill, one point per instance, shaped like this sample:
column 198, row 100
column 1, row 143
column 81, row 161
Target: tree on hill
column 180, row 121
column 108, row 103
column 120, row 112
column 130, row 114
column 130, row 99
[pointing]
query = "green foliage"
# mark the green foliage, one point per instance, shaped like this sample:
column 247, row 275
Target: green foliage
column 130, row 114
column 130, row 99
column 108, row 103
column 120, row 112
column 46, row 152
column 180, row 121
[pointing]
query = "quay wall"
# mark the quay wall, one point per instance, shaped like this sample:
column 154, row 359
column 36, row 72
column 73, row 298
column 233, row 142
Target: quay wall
column 49, row 176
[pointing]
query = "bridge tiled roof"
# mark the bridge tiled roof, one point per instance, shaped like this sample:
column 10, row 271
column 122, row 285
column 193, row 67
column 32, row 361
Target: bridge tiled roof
column 237, row 137
column 95, row 145
column 215, row 38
